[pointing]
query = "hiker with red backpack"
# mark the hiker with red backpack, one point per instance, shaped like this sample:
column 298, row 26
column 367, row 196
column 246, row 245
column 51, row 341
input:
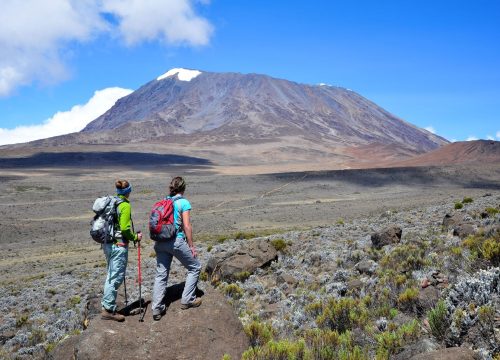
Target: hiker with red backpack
column 116, row 250
column 170, row 227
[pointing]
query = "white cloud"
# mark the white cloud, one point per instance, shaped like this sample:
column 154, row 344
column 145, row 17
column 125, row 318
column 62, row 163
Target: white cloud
column 65, row 122
column 490, row 137
column 471, row 138
column 34, row 34
column 430, row 129
column 172, row 21
column 498, row 135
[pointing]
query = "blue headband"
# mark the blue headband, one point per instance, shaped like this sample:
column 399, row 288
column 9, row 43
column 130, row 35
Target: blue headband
column 124, row 191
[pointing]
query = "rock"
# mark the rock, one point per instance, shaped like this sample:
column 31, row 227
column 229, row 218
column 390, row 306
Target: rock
column 460, row 224
column 354, row 286
column 463, row 230
column 455, row 353
column 366, row 267
column 6, row 336
column 420, row 347
column 251, row 256
column 452, row 220
column 428, row 298
column 206, row 332
column 389, row 235
column 286, row 279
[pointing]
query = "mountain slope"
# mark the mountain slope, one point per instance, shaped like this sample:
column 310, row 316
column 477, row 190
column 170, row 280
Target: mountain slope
column 462, row 152
column 231, row 107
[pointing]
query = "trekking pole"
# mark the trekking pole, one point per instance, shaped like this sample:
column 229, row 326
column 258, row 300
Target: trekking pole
column 139, row 279
column 125, row 286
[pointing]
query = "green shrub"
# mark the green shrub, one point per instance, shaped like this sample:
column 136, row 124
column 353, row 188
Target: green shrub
column 486, row 315
column 389, row 342
column 491, row 250
column 209, row 248
column 467, row 200
column 233, row 291
column 342, row 314
column 242, row 275
column 340, row 222
column 203, row 276
column 405, row 258
column 458, row 205
column 75, row 300
column 277, row 350
column 241, row 235
column 438, row 320
column 481, row 247
column 279, row 244
column 456, row 250
column 408, row 299
column 259, row 333
column 37, row 336
column 226, row 357
column 492, row 211
column 22, row 320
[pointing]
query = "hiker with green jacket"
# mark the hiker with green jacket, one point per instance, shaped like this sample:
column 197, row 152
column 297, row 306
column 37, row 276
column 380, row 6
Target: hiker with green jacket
column 116, row 252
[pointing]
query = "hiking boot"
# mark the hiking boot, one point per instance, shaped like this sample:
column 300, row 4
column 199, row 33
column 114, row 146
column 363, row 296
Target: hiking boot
column 111, row 315
column 158, row 315
column 195, row 303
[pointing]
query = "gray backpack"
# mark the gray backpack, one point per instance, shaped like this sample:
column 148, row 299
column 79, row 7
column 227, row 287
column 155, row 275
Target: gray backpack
column 102, row 227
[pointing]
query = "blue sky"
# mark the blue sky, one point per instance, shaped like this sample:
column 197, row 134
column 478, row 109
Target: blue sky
column 435, row 64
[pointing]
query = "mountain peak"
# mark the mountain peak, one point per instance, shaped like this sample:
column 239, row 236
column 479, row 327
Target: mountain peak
column 182, row 74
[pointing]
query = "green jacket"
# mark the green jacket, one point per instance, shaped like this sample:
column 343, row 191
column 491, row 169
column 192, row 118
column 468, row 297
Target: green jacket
column 125, row 231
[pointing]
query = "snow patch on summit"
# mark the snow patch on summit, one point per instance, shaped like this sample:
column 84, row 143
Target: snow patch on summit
column 182, row 74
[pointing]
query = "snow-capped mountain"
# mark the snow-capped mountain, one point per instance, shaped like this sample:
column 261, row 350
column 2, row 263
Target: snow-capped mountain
column 251, row 108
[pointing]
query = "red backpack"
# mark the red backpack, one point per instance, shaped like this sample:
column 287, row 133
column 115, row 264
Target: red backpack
column 161, row 220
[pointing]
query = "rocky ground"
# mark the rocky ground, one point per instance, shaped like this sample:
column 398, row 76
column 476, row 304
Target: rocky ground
column 291, row 280
column 395, row 285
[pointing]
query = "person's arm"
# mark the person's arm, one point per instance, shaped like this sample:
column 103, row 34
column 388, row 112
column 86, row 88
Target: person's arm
column 126, row 223
column 188, row 231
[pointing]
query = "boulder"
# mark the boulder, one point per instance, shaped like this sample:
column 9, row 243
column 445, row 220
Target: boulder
column 230, row 266
column 366, row 267
column 389, row 235
column 463, row 230
column 452, row 220
column 286, row 279
column 205, row 332
column 455, row 353
column 461, row 225
column 428, row 298
column 421, row 346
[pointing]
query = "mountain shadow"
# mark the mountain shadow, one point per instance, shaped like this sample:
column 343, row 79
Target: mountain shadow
column 101, row 159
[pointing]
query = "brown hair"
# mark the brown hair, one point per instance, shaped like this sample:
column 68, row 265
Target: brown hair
column 121, row 184
column 177, row 185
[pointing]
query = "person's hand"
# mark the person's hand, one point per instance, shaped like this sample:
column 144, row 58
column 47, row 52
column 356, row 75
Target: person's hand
column 139, row 236
column 193, row 251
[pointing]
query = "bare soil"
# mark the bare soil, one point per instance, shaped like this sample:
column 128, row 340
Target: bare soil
column 45, row 213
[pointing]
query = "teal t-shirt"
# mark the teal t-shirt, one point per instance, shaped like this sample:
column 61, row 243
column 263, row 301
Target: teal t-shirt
column 180, row 205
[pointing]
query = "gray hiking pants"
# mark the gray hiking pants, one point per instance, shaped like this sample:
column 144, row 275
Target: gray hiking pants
column 165, row 252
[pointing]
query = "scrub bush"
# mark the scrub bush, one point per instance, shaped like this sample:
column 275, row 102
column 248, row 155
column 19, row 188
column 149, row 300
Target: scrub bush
column 438, row 320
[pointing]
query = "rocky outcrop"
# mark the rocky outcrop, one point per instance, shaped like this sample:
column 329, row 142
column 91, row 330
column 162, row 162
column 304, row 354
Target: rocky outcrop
column 457, row 353
column 459, row 224
column 366, row 267
column 206, row 332
column 389, row 235
column 236, row 265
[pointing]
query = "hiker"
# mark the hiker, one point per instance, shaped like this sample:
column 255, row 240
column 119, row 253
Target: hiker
column 182, row 248
column 116, row 252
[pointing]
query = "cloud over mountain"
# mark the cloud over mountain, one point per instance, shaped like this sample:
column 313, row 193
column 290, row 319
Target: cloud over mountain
column 65, row 122
column 32, row 48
